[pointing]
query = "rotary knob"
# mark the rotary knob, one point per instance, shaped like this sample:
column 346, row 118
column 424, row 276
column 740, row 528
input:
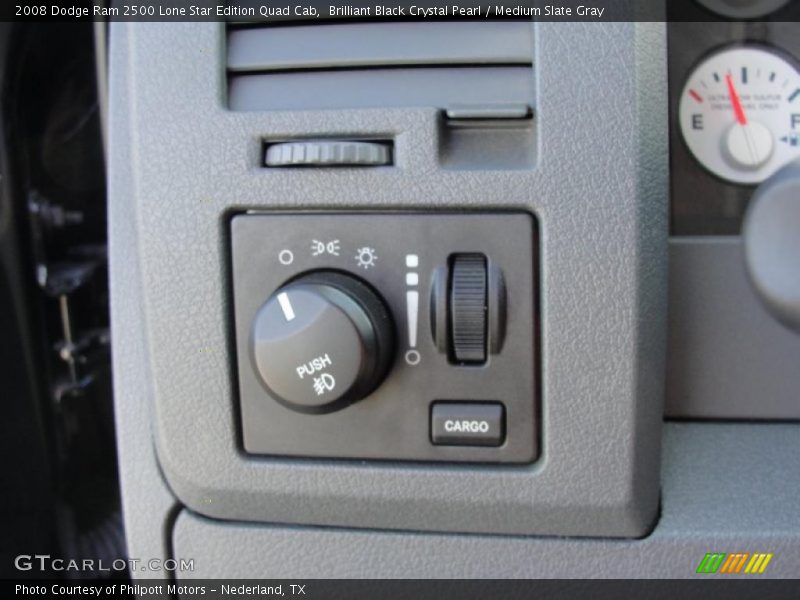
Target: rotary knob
column 324, row 153
column 322, row 342
column 468, row 308
column 771, row 235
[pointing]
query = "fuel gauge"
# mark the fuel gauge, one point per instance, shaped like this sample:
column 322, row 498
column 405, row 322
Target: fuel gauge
column 740, row 114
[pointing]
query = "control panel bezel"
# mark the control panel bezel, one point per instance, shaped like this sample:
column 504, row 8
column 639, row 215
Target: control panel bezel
column 269, row 249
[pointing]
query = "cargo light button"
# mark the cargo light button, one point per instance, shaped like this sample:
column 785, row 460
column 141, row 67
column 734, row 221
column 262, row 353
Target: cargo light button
column 467, row 424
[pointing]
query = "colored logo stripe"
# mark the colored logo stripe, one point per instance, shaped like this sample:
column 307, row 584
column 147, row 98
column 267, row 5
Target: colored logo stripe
column 758, row 564
column 710, row 562
column 734, row 563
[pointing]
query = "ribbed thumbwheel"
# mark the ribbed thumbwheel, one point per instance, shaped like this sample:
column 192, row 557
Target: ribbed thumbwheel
column 468, row 304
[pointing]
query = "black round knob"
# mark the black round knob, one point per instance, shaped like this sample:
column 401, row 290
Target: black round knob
column 322, row 341
column 771, row 234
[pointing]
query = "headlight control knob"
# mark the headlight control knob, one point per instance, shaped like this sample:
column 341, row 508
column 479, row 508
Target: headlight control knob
column 322, row 342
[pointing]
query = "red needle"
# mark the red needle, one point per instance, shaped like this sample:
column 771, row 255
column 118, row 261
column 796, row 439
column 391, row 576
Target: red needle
column 737, row 104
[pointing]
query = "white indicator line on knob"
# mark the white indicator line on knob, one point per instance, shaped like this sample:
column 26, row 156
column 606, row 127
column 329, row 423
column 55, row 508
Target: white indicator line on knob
column 412, row 304
column 286, row 306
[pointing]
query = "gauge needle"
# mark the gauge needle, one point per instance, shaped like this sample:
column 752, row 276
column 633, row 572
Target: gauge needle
column 741, row 118
column 737, row 104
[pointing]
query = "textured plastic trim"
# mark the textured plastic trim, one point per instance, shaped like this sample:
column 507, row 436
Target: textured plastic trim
column 707, row 506
column 598, row 190
column 728, row 357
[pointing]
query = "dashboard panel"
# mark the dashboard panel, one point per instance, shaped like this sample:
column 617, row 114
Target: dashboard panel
column 382, row 199
column 431, row 292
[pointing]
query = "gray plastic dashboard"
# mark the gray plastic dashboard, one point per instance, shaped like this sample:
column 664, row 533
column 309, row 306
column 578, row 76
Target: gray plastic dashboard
column 182, row 163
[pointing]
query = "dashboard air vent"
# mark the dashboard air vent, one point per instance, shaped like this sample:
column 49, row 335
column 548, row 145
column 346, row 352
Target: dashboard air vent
column 367, row 65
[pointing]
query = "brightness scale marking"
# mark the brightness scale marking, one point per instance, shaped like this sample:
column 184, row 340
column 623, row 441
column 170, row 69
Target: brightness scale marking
column 412, row 301
column 412, row 356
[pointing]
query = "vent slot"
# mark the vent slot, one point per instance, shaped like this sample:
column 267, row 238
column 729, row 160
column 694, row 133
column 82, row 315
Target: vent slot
column 379, row 45
column 368, row 65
